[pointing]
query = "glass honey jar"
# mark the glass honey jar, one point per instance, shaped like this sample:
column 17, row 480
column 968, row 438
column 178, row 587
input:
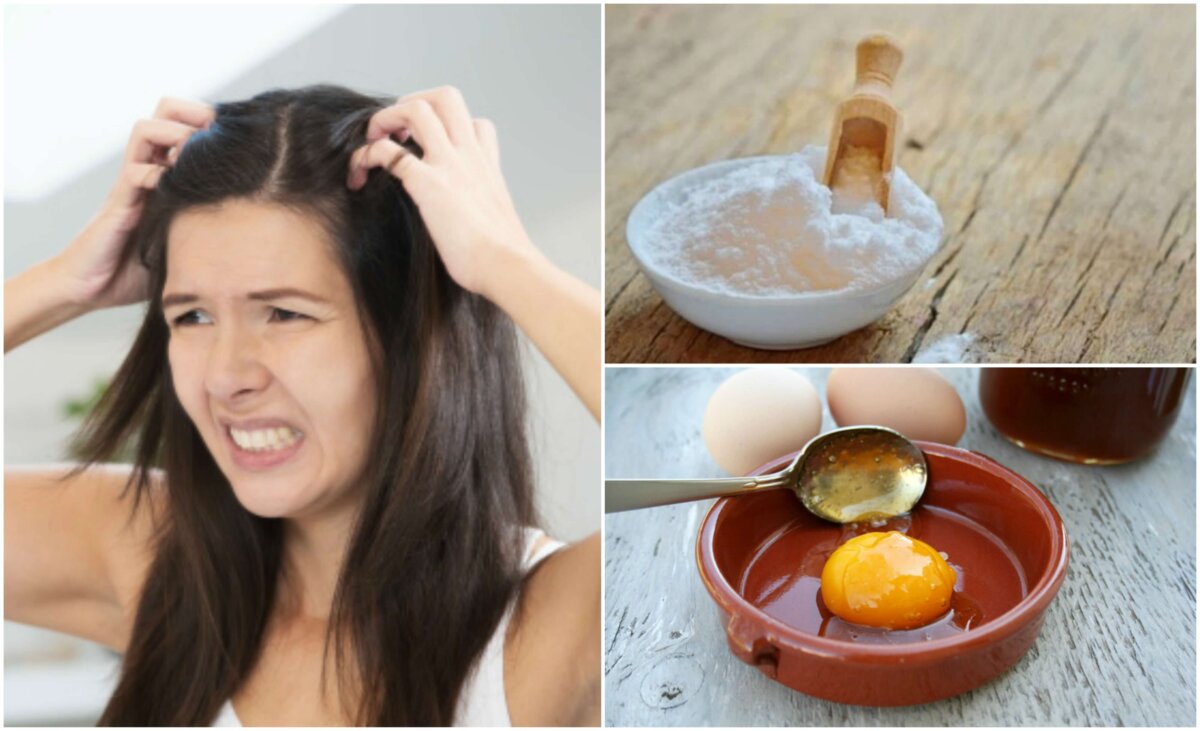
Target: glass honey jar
column 1087, row 415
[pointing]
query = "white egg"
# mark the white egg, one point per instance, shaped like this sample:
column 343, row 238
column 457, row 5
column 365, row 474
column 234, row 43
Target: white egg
column 758, row 415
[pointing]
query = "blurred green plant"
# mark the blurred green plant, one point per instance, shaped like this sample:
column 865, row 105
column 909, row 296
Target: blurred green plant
column 77, row 408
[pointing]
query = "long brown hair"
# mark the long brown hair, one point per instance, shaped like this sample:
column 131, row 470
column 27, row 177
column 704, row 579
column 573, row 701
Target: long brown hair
column 434, row 558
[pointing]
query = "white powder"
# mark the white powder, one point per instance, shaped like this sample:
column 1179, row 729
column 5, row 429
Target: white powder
column 769, row 227
column 948, row 349
column 857, row 183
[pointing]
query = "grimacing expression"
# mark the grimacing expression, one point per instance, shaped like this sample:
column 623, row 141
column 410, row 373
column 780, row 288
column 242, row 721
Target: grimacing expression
column 269, row 357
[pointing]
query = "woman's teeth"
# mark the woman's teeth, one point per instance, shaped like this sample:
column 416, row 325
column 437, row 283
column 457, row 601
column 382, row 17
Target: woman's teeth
column 264, row 440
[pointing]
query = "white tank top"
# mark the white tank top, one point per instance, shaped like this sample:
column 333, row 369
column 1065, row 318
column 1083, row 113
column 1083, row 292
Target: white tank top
column 482, row 701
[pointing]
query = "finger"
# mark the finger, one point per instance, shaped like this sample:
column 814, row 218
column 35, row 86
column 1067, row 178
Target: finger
column 416, row 116
column 485, row 133
column 151, row 134
column 136, row 178
column 385, row 153
column 450, row 107
column 185, row 111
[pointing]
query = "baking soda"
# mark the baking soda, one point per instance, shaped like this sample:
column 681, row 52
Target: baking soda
column 769, row 227
column 948, row 349
column 857, row 183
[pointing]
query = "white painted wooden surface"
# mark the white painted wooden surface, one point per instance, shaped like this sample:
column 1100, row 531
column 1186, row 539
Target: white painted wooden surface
column 1117, row 647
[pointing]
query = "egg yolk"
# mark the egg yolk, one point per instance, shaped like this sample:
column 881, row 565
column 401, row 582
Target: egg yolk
column 887, row 580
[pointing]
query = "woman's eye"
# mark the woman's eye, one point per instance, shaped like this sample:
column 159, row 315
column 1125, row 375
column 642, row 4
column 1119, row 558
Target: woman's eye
column 192, row 317
column 278, row 314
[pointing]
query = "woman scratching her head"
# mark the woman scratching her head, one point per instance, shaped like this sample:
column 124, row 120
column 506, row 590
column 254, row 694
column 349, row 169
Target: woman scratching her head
column 332, row 503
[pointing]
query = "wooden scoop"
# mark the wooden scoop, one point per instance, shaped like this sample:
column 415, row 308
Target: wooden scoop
column 867, row 118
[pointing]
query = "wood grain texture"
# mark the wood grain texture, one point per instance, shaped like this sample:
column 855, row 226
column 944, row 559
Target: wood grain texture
column 1117, row 646
column 1058, row 141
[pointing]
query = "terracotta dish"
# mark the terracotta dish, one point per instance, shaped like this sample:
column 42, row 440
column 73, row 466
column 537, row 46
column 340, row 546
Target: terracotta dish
column 761, row 556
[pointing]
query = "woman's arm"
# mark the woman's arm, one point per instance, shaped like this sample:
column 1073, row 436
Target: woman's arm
column 552, row 655
column 559, row 313
column 464, row 201
column 75, row 554
column 35, row 302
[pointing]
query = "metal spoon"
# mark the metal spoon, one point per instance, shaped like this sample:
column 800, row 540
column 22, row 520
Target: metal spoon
column 847, row 475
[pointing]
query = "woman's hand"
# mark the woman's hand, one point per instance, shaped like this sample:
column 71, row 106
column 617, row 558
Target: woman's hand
column 89, row 274
column 91, row 265
column 457, row 185
column 465, row 204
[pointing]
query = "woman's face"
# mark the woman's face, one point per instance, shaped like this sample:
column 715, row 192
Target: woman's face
column 268, row 356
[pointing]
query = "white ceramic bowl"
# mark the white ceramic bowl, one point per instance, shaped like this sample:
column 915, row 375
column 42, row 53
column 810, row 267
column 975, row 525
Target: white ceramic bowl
column 775, row 322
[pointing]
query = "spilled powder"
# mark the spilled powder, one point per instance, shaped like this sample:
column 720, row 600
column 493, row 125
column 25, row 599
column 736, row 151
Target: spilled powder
column 769, row 227
column 948, row 349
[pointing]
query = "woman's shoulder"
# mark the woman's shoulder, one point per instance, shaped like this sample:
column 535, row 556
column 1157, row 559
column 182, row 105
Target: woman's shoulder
column 552, row 652
column 135, row 521
column 78, row 547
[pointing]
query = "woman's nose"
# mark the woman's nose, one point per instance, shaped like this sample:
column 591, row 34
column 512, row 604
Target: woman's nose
column 235, row 367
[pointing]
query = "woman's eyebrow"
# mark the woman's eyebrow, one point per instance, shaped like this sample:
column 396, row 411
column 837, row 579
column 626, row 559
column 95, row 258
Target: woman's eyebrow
column 179, row 298
column 185, row 298
column 282, row 292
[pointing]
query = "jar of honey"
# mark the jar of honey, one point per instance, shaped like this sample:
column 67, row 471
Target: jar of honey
column 1088, row 415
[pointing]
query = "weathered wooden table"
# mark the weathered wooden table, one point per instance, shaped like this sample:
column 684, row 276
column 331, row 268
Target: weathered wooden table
column 1117, row 646
column 1058, row 141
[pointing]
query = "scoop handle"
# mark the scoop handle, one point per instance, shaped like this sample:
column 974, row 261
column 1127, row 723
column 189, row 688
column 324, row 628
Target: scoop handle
column 878, row 59
column 622, row 495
